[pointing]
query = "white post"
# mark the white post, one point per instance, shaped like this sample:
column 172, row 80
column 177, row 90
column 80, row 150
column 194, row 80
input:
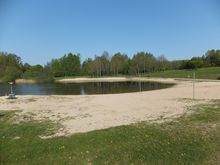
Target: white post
column 194, row 75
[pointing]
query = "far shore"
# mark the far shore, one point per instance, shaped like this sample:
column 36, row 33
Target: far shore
column 25, row 81
column 98, row 79
column 115, row 79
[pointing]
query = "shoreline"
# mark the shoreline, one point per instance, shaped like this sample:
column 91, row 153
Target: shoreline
column 114, row 79
column 97, row 79
column 83, row 113
column 25, row 81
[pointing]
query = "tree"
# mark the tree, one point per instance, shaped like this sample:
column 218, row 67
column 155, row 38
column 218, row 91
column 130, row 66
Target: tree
column 101, row 64
column 33, row 72
column 87, row 67
column 97, row 66
column 162, row 63
column 138, row 63
column 55, row 68
column 119, row 64
column 11, row 73
column 10, row 66
column 68, row 65
column 195, row 62
column 149, row 62
column 26, row 67
column 142, row 62
column 105, row 63
column 38, row 73
column 213, row 57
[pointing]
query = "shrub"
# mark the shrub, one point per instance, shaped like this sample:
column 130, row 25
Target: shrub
column 11, row 74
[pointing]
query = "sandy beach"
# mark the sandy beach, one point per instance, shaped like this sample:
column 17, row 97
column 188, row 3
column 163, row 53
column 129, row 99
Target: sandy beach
column 82, row 113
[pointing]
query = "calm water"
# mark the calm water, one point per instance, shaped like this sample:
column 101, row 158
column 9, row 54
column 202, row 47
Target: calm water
column 81, row 88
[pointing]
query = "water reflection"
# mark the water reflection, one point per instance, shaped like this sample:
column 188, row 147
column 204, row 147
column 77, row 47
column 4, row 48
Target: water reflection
column 82, row 88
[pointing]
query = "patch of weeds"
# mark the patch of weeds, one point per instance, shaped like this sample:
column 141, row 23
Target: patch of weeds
column 7, row 116
column 31, row 100
column 85, row 115
column 2, row 114
column 26, row 129
column 185, row 99
column 206, row 113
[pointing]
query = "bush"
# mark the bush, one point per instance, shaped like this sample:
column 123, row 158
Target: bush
column 11, row 74
column 39, row 74
column 40, row 77
column 44, row 77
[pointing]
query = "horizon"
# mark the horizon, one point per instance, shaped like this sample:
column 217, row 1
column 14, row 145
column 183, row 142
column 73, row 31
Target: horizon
column 39, row 31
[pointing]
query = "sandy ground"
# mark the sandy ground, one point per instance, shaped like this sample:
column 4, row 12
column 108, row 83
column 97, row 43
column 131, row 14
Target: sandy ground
column 113, row 79
column 84, row 113
column 25, row 81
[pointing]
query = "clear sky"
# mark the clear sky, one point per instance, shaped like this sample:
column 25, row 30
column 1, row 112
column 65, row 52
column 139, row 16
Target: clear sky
column 39, row 30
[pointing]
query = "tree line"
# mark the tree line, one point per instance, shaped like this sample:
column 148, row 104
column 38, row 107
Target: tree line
column 12, row 67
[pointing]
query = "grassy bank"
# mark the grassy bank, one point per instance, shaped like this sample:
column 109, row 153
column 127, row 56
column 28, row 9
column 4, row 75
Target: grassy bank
column 202, row 73
column 193, row 139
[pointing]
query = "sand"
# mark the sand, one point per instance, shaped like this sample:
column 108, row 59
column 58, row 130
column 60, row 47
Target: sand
column 83, row 113
column 25, row 81
column 113, row 79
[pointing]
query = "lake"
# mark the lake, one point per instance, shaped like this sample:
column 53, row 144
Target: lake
column 82, row 88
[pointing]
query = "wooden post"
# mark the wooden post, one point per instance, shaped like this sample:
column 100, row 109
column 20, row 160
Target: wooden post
column 194, row 75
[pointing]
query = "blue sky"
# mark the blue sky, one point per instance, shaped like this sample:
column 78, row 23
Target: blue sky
column 39, row 30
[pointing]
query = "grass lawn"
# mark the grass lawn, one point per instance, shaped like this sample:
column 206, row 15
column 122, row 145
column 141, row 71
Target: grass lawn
column 202, row 73
column 190, row 139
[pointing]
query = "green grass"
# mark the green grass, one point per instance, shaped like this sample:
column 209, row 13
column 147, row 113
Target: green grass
column 190, row 139
column 202, row 73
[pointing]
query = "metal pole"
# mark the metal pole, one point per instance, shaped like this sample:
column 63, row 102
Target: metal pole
column 140, row 86
column 194, row 75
